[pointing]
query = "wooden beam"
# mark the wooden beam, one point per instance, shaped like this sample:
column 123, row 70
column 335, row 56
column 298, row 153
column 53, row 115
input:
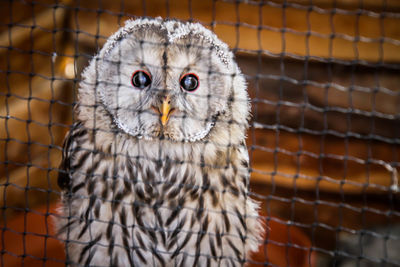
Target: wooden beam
column 45, row 21
column 328, row 164
column 270, row 28
column 374, row 5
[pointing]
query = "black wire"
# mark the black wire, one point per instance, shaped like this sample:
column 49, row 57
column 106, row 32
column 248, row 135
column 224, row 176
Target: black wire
column 363, row 205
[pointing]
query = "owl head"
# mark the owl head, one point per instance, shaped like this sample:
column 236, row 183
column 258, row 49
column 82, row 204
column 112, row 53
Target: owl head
column 165, row 79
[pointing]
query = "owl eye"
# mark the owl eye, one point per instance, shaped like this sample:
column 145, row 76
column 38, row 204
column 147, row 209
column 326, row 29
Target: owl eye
column 140, row 79
column 189, row 82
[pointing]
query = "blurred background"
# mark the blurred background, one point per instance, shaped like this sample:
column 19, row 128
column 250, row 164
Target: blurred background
column 324, row 142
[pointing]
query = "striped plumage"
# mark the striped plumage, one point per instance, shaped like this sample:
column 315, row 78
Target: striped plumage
column 163, row 196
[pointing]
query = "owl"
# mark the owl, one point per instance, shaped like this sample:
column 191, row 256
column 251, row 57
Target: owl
column 155, row 168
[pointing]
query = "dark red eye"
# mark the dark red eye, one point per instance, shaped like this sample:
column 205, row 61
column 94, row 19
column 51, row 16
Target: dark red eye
column 189, row 82
column 141, row 79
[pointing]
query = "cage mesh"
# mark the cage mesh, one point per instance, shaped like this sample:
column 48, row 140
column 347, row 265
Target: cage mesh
column 323, row 78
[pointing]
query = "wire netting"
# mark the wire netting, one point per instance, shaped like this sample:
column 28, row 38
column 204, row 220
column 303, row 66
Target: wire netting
column 323, row 79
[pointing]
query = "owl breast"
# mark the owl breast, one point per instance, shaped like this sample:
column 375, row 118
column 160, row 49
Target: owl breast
column 134, row 209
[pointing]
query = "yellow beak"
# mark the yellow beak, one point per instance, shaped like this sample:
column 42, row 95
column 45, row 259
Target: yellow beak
column 165, row 111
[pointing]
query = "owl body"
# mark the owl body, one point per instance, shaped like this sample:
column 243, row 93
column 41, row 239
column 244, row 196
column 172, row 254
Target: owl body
column 155, row 170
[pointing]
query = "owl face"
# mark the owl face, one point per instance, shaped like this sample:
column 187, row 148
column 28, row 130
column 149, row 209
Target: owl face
column 166, row 80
